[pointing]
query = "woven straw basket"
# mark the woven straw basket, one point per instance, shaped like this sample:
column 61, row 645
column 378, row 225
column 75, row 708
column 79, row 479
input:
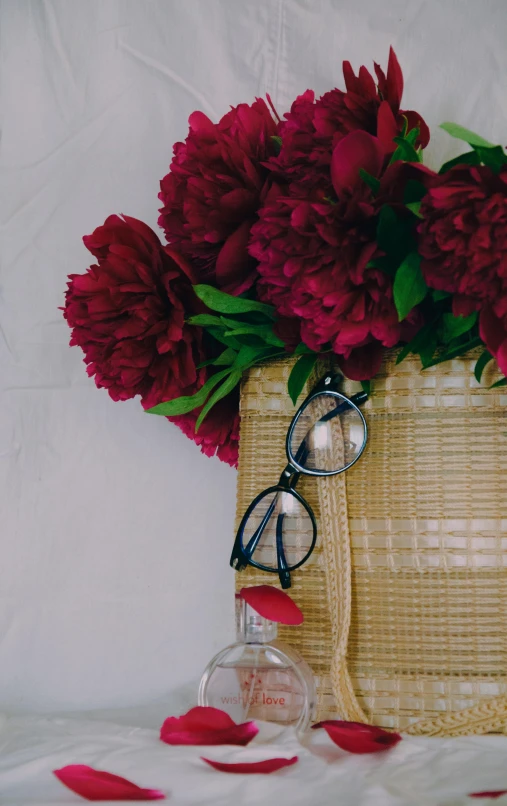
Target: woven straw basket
column 405, row 596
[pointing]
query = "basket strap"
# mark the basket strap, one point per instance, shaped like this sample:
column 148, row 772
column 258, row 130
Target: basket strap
column 487, row 717
column 337, row 562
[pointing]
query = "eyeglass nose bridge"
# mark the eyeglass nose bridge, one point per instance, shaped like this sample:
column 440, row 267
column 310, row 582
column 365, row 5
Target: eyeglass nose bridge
column 289, row 477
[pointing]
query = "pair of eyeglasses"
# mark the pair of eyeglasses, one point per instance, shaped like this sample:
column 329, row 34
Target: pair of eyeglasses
column 327, row 435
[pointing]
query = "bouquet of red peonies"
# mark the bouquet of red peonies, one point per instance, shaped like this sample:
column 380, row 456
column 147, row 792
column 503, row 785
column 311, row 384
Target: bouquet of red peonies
column 321, row 232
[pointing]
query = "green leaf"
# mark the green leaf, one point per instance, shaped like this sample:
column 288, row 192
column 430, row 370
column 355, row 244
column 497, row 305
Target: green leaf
column 409, row 288
column 219, row 301
column 414, row 191
column 427, row 350
column 228, row 385
column 205, row 320
column 385, row 264
column 422, row 341
column 366, row 387
column 438, row 296
column 455, row 352
column 182, row 405
column 469, row 158
column 224, row 337
column 299, row 375
column 302, row 349
column 264, row 332
column 225, row 359
column 277, row 142
column 494, row 158
column 248, row 356
column 415, row 208
column 460, row 133
column 412, row 135
column 455, row 326
column 481, row 364
column 394, row 236
column 501, row 382
column 372, row 182
column 405, row 151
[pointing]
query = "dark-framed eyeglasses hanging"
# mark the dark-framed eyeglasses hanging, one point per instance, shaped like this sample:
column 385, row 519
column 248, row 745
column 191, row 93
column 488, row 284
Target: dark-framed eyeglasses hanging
column 327, row 435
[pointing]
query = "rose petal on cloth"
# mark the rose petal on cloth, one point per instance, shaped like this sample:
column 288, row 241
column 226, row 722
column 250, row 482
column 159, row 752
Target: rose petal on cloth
column 355, row 737
column 357, row 150
column 98, row 785
column 273, row 604
column 495, row 793
column 203, row 725
column 262, row 767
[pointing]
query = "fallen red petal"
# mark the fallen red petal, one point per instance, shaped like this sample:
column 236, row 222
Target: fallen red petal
column 206, row 726
column 355, row 737
column 273, row 604
column 98, row 785
column 494, row 794
column 262, row 767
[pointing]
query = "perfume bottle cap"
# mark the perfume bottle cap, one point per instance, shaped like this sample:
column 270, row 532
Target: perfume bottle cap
column 251, row 628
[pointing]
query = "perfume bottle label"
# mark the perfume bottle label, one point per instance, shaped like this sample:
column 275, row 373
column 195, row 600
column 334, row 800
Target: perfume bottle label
column 273, row 694
column 259, row 698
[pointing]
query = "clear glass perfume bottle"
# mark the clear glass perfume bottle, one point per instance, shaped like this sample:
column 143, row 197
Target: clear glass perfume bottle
column 259, row 677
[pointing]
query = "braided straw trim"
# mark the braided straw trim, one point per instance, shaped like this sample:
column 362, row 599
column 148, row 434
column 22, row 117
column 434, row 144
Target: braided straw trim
column 337, row 560
column 488, row 717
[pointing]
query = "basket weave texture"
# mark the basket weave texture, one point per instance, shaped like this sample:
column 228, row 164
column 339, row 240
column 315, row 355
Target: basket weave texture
column 405, row 596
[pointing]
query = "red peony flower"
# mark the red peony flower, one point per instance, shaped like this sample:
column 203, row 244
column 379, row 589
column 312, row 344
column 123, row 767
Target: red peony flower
column 219, row 433
column 312, row 128
column 314, row 260
column 463, row 244
column 127, row 313
column 493, row 330
column 211, row 195
column 463, row 235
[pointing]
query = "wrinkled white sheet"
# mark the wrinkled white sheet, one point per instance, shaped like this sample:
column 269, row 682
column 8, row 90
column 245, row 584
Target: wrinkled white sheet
column 417, row 772
column 114, row 531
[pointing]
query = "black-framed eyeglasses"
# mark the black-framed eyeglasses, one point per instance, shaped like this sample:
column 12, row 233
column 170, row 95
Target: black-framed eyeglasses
column 327, row 435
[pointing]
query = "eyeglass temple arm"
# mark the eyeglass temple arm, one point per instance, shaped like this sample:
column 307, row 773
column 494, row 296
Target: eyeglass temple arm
column 283, row 570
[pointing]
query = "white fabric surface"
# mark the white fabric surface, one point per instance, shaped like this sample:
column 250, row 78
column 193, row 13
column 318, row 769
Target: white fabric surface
column 417, row 772
column 115, row 532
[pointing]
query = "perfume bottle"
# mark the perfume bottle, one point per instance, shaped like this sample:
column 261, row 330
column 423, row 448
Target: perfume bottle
column 259, row 677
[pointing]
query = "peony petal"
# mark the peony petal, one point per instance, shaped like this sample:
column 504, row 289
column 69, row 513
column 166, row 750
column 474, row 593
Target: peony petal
column 263, row 767
column 206, row 726
column 491, row 329
column 234, row 266
column 355, row 737
column 357, row 150
column 415, row 120
column 387, row 127
column 495, row 793
column 363, row 363
column 97, row 785
column 394, row 80
column 273, row 604
column 200, row 123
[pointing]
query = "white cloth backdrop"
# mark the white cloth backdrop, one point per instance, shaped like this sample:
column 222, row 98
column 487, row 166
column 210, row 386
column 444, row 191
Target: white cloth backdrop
column 115, row 531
